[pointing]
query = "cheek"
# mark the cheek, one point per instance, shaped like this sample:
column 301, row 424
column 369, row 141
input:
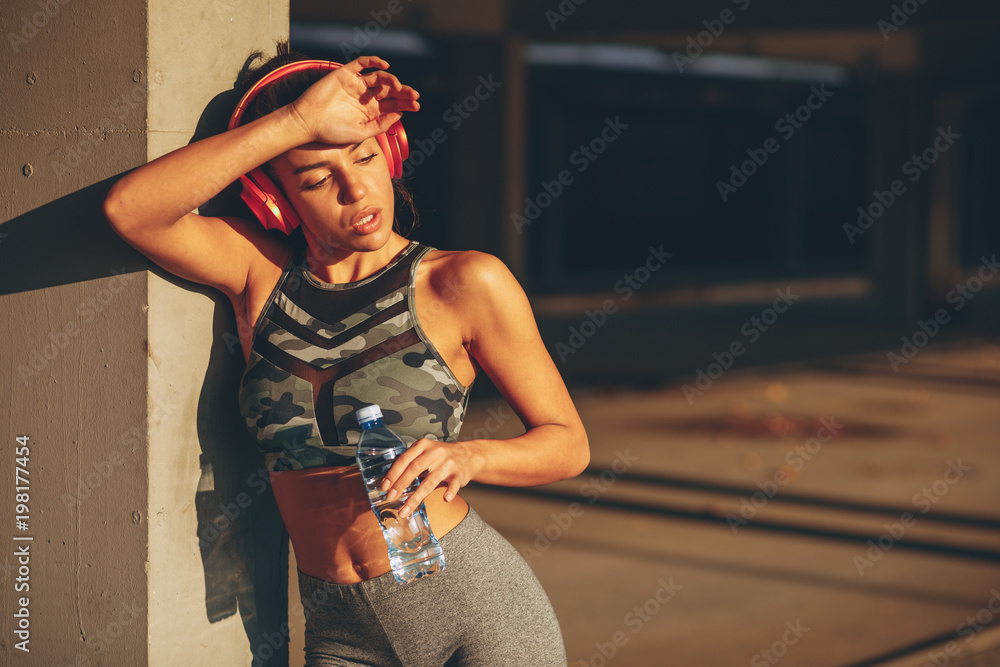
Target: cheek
column 382, row 183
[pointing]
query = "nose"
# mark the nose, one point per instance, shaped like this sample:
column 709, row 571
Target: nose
column 352, row 188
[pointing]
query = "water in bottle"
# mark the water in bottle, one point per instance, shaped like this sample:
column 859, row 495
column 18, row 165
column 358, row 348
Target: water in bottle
column 414, row 552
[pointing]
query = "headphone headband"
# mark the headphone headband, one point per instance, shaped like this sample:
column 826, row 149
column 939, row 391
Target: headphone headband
column 262, row 196
column 273, row 76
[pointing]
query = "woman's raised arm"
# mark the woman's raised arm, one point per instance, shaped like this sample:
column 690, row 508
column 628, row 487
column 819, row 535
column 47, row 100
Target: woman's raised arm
column 152, row 206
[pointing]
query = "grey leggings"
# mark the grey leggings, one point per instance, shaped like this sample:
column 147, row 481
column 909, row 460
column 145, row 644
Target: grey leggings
column 485, row 608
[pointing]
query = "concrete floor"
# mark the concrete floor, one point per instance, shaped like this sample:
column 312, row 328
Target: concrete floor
column 644, row 568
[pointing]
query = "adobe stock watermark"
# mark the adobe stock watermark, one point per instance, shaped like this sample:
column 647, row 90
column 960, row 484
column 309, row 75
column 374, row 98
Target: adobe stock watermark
column 581, row 158
column 226, row 8
column 779, row 649
column 363, row 35
column 562, row 12
column 454, row 116
column 224, row 517
column 218, row 181
column 713, row 28
column 797, row 459
column 496, row 418
column 629, row 283
column 635, row 620
column 91, row 480
column 121, row 107
column 98, row 640
column 48, row 9
column 927, row 329
column 968, row 628
column 40, row 357
column 915, row 167
column 924, row 501
column 101, row 470
column 786, row 126
column 562, row 521
column 752, row 329
column 901, row 13
column 273, row 641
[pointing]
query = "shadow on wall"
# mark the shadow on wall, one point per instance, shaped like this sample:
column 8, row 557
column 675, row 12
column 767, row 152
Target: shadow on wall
column 243, row 542
column 240, row 534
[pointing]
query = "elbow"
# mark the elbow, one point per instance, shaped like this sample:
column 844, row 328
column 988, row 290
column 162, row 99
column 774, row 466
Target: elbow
column 112, row 210
column 119, row 211
column 579, row 458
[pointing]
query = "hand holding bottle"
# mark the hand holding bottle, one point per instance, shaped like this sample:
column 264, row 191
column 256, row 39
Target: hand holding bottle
column 414, row 551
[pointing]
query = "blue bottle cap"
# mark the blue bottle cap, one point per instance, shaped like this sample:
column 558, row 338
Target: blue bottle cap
column 368, row 413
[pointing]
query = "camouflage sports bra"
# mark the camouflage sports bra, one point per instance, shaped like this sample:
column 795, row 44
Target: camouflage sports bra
column 321, row 351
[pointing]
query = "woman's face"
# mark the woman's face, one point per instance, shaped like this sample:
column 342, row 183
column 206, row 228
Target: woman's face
column 343, row 193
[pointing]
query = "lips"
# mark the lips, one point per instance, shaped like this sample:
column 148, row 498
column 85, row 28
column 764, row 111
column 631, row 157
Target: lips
column 367, row 220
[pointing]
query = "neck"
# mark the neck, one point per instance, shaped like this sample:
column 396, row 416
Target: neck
column 339, row 265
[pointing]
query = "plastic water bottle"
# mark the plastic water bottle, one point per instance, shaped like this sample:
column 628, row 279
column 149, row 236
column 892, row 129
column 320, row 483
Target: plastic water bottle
column 414, row 552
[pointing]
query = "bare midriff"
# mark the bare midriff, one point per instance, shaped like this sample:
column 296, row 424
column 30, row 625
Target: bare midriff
column 333, row 531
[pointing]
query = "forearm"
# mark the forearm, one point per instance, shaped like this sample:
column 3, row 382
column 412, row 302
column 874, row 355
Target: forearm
column 162, row 191
column 544, row 454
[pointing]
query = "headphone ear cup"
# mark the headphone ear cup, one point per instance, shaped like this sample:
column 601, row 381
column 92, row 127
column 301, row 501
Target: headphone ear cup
column 385, row 143
column 268, row 203
column 395, row 148
column 402, row 143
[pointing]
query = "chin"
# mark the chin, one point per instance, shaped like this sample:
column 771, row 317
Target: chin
column 351, row 240
column 375, row 239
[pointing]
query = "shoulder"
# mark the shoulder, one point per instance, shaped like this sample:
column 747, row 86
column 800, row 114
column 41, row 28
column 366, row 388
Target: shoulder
column 470, row 277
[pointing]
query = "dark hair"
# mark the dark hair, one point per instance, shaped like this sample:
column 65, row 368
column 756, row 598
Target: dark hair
column 285, row 91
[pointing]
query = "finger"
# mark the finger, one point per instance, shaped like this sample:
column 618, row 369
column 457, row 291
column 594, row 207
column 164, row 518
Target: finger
column 379, row 92
column 405, row 95
column 391, row 104
column 419, row 467
column 364, row 62
column 400, row 466
column 389, row 481
column 381, row 124
column 454, row 486
column 381, row 78
column 413, row 503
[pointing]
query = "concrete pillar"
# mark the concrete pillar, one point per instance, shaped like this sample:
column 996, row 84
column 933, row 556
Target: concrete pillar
column 150, row 534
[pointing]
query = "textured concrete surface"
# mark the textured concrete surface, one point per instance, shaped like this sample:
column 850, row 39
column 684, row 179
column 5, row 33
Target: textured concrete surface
column 115, row 398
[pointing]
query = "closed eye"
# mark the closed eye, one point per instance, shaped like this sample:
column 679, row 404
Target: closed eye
column 312, row 186
column 316, row 184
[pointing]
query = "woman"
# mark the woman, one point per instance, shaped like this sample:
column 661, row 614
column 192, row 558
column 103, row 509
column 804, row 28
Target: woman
column 356, row 314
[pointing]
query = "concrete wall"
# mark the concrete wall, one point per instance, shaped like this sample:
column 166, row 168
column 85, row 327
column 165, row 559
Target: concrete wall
column 154, row 539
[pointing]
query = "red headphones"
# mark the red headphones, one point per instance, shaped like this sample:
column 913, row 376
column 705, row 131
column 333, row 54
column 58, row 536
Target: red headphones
column 261, row 194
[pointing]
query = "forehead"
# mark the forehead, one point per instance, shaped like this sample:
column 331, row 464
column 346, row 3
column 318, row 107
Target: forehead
column 320, row 152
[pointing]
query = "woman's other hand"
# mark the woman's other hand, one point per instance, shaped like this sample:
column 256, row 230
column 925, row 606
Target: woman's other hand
column 345, row 107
